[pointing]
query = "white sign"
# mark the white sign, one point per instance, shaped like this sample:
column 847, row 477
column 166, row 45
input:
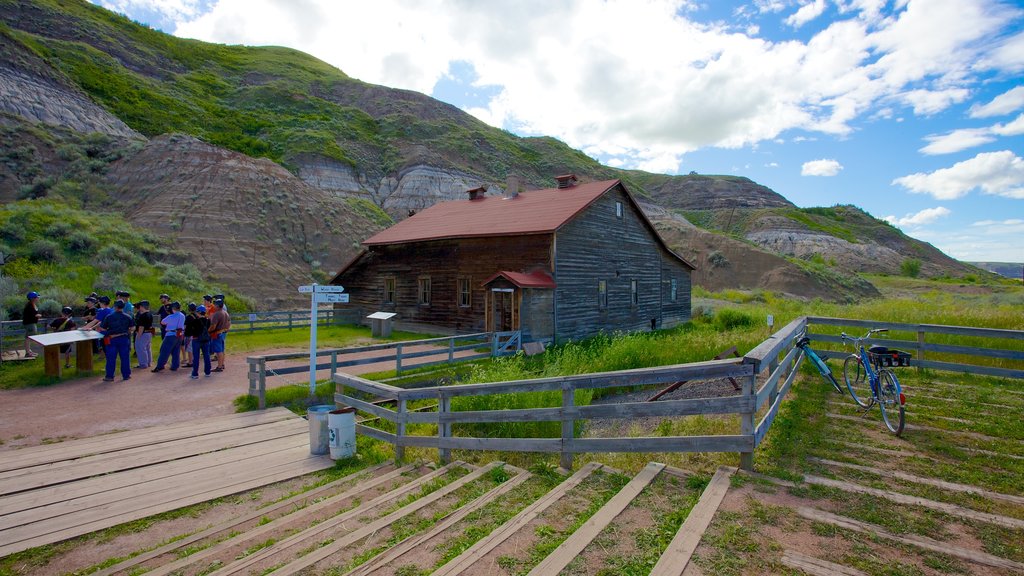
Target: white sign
column 771, row 320
column 305, row 289
column 320, row 289
column 252, row 317
column 331, row 298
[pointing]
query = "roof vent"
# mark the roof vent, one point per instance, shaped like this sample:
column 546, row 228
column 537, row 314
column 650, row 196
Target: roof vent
column 511, row 186
column 477, row 192
column 566, row 180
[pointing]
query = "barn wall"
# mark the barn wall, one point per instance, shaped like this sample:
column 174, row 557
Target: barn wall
column 444, row 261
column 600, row 245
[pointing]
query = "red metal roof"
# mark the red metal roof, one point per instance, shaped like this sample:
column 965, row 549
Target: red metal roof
column 536, row 279
column 536, row 212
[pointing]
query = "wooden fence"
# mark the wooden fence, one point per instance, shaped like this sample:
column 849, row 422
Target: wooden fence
column 444, row 350
column 766, row 374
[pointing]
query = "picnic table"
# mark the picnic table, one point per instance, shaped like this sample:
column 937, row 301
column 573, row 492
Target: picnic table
column 82, row 339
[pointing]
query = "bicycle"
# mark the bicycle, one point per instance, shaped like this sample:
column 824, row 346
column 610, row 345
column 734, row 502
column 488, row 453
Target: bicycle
column 883, row 387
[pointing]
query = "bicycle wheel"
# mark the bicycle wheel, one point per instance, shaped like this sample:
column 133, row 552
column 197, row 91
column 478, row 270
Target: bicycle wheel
column 889, row 402
column 857, row 381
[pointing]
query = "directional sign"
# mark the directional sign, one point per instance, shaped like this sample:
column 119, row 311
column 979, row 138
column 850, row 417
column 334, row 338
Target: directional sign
column 305, row 289
column 332, row 298
column 330, row 288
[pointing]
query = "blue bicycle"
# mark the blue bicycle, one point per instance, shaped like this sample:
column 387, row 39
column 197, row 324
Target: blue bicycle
column 866, row 386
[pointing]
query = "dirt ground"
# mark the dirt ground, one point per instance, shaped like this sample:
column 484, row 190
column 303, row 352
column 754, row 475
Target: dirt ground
column 88, row 406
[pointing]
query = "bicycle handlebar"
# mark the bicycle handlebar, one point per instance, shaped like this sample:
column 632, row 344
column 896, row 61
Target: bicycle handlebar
column 856, row 340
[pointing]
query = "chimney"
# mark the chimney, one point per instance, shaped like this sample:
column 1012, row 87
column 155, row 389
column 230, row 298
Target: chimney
column 511, row 186
column 477, row 192
column 566, row 180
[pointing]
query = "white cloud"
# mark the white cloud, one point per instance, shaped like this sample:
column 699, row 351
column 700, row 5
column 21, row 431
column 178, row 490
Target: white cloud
column 806, row 13
column 823, row 167
column 663, row 84
column 983, row 241
column 957, row 140
column 1006, row 103
column 772, row 165
column 926, row 216
column 997, row 173
column 1014, row 127
column 172, row 9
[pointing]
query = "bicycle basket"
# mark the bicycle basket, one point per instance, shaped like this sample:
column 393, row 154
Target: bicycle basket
column 883, row 357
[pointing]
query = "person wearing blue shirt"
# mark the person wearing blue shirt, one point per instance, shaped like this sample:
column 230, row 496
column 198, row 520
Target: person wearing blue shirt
column 116, row 327
column 174, row 324
column 125, row 297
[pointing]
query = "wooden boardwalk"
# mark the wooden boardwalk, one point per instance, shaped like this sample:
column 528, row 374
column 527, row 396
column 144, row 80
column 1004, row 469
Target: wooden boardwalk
column 55, row 492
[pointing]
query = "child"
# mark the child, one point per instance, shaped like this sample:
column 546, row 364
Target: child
column 30, row 320
column 144, row 334
column 64, row 324
column 201, row 343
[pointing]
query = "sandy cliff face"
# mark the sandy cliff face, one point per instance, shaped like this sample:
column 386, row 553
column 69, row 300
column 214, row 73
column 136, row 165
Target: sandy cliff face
column 246, row 222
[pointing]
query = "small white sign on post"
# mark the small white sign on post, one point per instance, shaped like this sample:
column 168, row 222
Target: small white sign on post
column 771, row 320
column 319, row 294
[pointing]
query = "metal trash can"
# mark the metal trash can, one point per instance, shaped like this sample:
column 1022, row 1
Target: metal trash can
column 342, row 426
column 318, row 435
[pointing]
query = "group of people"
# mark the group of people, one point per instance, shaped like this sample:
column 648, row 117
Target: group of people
column 191, row 337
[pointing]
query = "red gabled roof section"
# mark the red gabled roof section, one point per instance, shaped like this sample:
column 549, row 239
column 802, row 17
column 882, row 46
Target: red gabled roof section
column 536, row 279
column 536, row 212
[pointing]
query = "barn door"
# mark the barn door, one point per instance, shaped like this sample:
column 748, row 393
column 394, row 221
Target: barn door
column 504, row 310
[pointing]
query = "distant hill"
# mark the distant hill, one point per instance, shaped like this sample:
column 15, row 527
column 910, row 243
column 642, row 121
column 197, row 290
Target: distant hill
column 342, row 158
column 1013, row 270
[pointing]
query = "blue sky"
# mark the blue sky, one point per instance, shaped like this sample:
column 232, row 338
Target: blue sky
column 912, row 110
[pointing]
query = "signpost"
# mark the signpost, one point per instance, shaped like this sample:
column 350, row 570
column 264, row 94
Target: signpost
column 318, row 295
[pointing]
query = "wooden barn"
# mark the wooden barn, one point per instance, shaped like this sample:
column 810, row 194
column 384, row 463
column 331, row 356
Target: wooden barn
column 558, row 264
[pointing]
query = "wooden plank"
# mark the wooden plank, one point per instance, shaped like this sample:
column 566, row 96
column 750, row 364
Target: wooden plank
column 677, row 554
column 971, row 369
column 299, row 564
column 58, row 472
column 364, row 385
column 918, row 501
column 766, row 422
column 685, row 407
column 413, row 542
column 952, row 486
column 377, row 434
column 574, row 545
column 771, row 384
column 299, row 501
column 816, row 566
column 922, row 542
column 482, row 547
column 261, row 478
column 975, row 435
column 499, row 444
column 269, row 528
column 770, row 348
column 68, row 514
column 72, row 449
column 930, row 328
column 378, row 411
column 720, row 443
column 138, row 476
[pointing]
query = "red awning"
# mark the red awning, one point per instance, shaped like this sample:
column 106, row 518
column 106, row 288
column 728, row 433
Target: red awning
column 532, row 280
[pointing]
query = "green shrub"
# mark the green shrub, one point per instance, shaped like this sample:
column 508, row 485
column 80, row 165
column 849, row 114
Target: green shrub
column 730, row 319
column 81, row 242
column 45, row 251
column 911, row 267
column 185, row 276
column 117, row 252
column 49, row 308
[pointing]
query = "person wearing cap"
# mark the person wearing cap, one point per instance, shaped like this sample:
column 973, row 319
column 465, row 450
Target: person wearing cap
column 30, row 320
column 220, row 323
column 207, row 301
column 174, row 326
column 64, row 324
column 125, row 297
column 222, row 306
column 164, row 311
column 117, row 328
column 191, row 331
column 201, row 343
column 88, row 316
column 144, row 334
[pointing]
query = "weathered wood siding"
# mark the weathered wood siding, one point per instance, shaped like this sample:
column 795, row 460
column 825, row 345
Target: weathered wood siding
column 538, row 318
column 444, row 261
column 600, row 245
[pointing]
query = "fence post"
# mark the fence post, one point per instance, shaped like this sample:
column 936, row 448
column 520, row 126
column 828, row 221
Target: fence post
column 334, row 362
column 289, row 320
column 398, row 359
column 253, row 377
column 252, row 324
column 263, row 383
column 568, row 423
column 444, row 429
column 774, row 392
column 920, row 349
column 400, row 432
column 494, row 345
column 747, row 418
column 451, row 350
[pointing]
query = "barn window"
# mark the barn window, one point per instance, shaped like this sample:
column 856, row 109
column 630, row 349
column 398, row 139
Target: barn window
column 602, row 294
column 389, row 290
column 634, row 293
column 618, row 209
column 673, row 289
column 424, row 291
column 465, row 295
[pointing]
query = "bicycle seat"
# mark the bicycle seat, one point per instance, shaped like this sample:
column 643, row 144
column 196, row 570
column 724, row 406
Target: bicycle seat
column 878, row 350
column 803, row 341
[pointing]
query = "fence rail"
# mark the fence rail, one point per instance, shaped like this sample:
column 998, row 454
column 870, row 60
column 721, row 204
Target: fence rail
column 774, row 363
column 446, row 350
